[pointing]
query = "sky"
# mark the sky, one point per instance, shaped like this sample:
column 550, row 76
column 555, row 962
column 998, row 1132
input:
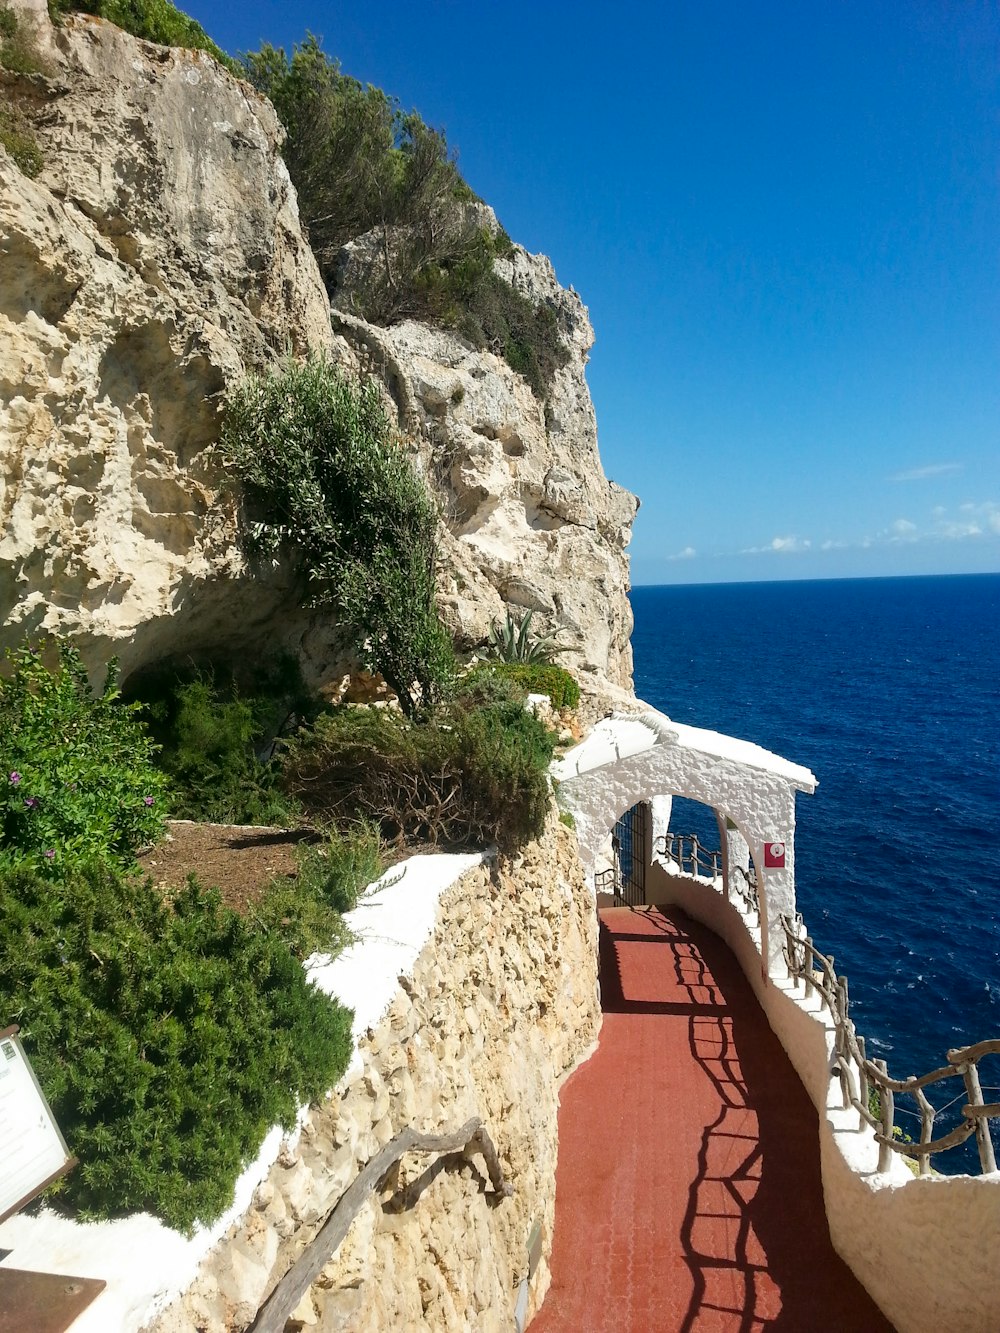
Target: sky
column 784, row 219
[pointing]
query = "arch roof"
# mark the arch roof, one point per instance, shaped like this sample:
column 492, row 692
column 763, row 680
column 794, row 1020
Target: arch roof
column 620, row 736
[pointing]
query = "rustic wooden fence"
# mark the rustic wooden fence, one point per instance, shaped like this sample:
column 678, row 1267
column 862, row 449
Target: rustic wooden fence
column 861, row 1077
column 689, row 855
column 744, row 885
column 470, row 1138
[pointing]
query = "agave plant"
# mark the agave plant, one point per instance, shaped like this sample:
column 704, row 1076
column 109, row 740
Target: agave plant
column 512, row 641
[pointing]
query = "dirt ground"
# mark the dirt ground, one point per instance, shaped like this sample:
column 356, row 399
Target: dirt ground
column 240, row 860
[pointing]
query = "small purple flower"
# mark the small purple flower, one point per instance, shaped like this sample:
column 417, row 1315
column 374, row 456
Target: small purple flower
column 149, row 800
column 14, row 778
column 31, row 802
column 49, row 854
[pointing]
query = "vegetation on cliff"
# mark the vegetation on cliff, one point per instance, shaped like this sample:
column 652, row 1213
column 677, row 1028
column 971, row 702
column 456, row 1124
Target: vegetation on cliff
column 78, row 780
column 362, row 166
column 327, row 478
column 152, row 20
column 473, row 774
column 17, row 56
column 168, row 1035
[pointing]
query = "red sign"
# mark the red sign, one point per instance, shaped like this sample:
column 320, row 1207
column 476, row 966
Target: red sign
column 774, row 855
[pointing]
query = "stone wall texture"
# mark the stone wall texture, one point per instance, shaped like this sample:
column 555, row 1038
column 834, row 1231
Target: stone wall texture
column 501, row 1005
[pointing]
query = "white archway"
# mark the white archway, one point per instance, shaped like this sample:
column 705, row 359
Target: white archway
column 626, row 760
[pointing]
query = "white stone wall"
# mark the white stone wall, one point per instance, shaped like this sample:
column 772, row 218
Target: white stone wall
column 499, row 1006
column 925, row 1248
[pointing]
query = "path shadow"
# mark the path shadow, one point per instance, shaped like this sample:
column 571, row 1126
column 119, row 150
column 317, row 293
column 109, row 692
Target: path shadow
column 754, row 1235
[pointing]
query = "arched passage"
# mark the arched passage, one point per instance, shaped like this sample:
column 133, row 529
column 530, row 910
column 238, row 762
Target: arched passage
column 630, row 760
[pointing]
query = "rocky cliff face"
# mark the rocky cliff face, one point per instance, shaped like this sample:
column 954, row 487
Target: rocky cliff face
column 156, row 258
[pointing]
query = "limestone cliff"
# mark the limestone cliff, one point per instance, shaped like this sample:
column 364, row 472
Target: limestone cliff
column 155, row 259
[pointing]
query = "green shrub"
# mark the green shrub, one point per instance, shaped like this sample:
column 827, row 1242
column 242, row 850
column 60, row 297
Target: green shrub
column 216, row 725
column 19, row 56
column 306, row 912
column 532, row 678
column 472, row 775
column 168, row 1039
column 328, row 477
column 362, row 166
column 17, row 49
column 77, row 773
column 18, row 139
column 152, row 20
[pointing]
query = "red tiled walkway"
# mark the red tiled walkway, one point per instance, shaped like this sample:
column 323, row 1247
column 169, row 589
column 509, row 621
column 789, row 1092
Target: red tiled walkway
column 688, row 1192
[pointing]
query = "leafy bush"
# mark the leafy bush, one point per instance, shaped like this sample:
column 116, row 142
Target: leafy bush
column 168, row 1039
column 324, row 469
column 471, row 775
column 216, row 724
column 152, row 20
column 77, row 774
column 533, row 678
column 17, row 49
column 18, row 55
column 362, row 166
column 306, row 912
column 18, row 139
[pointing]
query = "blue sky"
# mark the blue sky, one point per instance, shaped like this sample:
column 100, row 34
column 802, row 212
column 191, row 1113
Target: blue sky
column 784, row 218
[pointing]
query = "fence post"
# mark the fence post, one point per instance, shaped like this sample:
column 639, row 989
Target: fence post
column 887, row 1107
column 840, row 1021
column 862, row 1079
column 807, row 970
column 987, row 1157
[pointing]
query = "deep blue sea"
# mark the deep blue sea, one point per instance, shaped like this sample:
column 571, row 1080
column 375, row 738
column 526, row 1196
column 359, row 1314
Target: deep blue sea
column 889, row 690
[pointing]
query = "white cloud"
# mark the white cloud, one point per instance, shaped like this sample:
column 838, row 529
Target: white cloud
column 976, row 520
column 955, row 532
column 931, row 470
column 783, row 545
column 687, row 554
column 901, row 530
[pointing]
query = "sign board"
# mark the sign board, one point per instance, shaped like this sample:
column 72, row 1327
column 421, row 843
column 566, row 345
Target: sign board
column 774, row 855
column 34, row 1151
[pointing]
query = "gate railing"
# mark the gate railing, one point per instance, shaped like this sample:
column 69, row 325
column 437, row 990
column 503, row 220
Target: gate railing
column 744, row 883
column 689, row 855
column 609, row 881
column 860, row 1077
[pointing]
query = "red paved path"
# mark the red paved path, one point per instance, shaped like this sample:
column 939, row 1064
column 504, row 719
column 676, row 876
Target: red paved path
column 688, row 1193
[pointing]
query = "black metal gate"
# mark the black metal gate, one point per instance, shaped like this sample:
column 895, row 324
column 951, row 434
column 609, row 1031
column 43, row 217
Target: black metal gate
column 629, row 841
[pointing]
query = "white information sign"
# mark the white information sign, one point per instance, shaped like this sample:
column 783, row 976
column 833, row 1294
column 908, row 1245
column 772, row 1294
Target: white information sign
column 34, row 1151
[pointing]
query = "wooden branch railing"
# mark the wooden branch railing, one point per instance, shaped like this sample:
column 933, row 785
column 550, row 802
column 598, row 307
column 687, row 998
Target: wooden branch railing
column 859, row 1076
column 471, row 1138
column 689, row 855
column 608, row 881
column 744, row 884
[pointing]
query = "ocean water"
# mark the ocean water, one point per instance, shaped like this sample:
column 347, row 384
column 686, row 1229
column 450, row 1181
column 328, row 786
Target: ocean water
column 889, row 690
